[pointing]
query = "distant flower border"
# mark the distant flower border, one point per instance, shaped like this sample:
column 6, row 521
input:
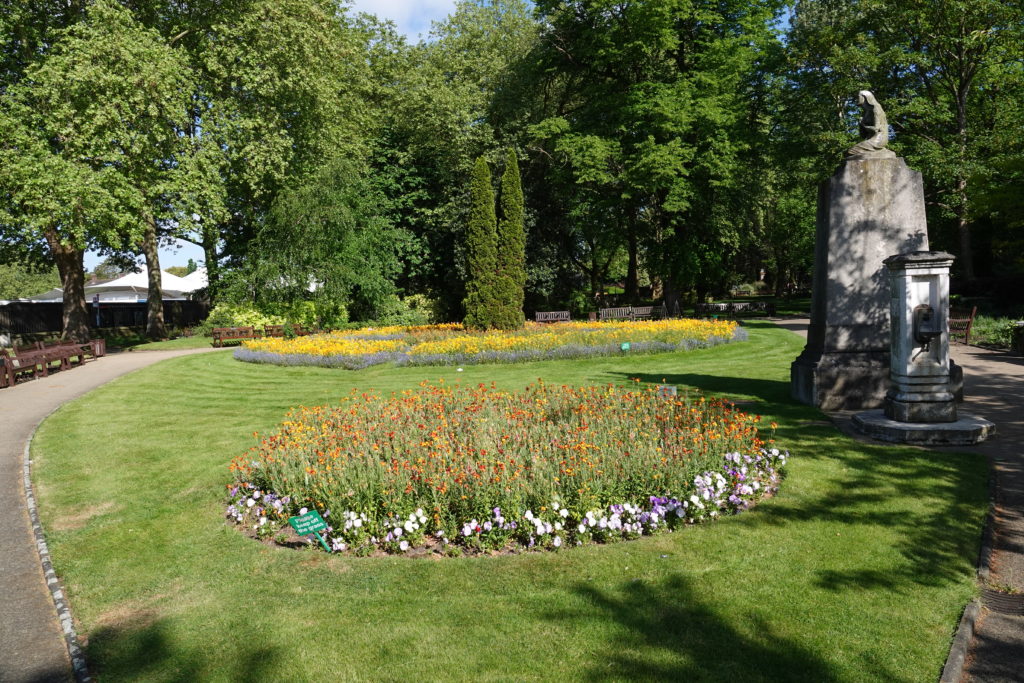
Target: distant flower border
column 403, row 358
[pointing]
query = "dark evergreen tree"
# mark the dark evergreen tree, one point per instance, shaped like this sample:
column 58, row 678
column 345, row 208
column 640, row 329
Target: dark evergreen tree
column 481, row 251
column 511, row 246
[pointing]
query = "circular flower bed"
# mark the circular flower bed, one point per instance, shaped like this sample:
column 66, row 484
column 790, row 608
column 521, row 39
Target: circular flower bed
column 451, row 345
column 475, row 468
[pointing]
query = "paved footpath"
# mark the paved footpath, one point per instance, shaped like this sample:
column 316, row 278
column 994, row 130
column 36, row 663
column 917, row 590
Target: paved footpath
column 32, row 644
column 993, row 389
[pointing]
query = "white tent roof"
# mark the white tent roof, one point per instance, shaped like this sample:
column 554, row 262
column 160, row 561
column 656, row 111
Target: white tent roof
column 139, row 282
column 196, row 280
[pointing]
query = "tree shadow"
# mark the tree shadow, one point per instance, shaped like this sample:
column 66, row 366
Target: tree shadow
column 670, row 634
column 140, row 648
column 875, row 488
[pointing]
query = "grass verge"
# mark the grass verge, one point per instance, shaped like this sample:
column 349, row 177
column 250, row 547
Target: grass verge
column 197, row 342
column 857, row 570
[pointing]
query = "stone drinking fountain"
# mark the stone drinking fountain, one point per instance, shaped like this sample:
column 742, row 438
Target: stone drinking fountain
column 920, row 406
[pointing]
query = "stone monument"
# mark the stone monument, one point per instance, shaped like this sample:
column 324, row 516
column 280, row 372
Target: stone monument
column 920, row 406
column 871, row 208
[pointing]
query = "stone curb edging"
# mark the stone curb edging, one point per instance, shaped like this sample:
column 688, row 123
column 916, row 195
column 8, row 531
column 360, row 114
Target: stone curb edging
column 988, row 533
column 75, row 652
column 954, row 670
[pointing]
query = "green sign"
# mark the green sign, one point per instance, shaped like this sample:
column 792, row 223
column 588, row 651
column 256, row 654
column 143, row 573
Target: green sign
column 310, row 523
column 624, row 346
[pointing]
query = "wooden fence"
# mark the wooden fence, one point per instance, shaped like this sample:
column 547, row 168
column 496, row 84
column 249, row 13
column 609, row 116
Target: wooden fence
column 21, row 318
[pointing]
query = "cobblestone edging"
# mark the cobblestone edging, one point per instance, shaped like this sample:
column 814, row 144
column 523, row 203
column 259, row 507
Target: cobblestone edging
column 60, row 602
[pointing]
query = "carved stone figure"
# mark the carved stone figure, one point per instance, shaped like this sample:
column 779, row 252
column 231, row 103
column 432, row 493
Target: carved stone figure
column 874, row 128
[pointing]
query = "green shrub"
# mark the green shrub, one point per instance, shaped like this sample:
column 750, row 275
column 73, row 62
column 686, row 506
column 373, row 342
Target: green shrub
column 989, row 331
column 749, row 288
column 416, row 309
column 237, row 315
column 310, row 314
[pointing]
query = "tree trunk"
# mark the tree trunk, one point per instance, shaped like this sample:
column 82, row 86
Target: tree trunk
column 212, row 270
column 154, row 298
column 672, row 304
column 632, row 288
column 70, row 265
column 963, row 226
column 963, row 229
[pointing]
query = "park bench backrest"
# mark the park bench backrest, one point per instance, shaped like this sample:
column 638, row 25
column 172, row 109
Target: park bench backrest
column 552, row 316
column 960, row 321
column 639, row 312
column 620, row 313
column 222, row 334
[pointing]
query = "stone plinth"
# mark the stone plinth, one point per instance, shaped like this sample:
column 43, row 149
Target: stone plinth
column 919, row 359
column 869, row 209
column 966, row 431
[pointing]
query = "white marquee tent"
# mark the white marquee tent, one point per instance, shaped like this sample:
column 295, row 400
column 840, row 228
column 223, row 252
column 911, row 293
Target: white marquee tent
column 132, row 288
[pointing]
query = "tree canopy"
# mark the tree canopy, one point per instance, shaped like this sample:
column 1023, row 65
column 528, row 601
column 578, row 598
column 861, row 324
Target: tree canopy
column 664, row 151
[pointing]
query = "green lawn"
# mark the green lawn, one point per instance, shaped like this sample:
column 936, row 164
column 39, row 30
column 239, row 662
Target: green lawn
column 171, row 344
column 857, row 570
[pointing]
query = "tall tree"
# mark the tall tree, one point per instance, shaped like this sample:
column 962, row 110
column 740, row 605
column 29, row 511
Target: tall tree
column 943, row 71
column 511, row 245
column 91, row 154
column 23, row 280
column 482, row 303
column 648, row 117
column 327, row 241
column 437, row 100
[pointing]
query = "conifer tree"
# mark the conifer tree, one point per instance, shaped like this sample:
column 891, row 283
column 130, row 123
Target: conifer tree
column 481, row 251
column 511, row 246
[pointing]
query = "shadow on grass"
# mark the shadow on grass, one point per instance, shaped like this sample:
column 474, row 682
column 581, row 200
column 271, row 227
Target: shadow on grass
column 876, row 488
column 771, row 392
column 670, row 634
column 141, row 649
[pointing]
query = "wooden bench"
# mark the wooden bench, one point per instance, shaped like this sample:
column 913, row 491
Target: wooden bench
column 632, row 313
column 93, row 348
column 552, row 316
column 36, row 360
column 223, row 334
column 643, row 312
column 735, row 308
column 960, row 321
column 62, row 352
column 619, row 313
column 25, row 360
column 279, row 330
